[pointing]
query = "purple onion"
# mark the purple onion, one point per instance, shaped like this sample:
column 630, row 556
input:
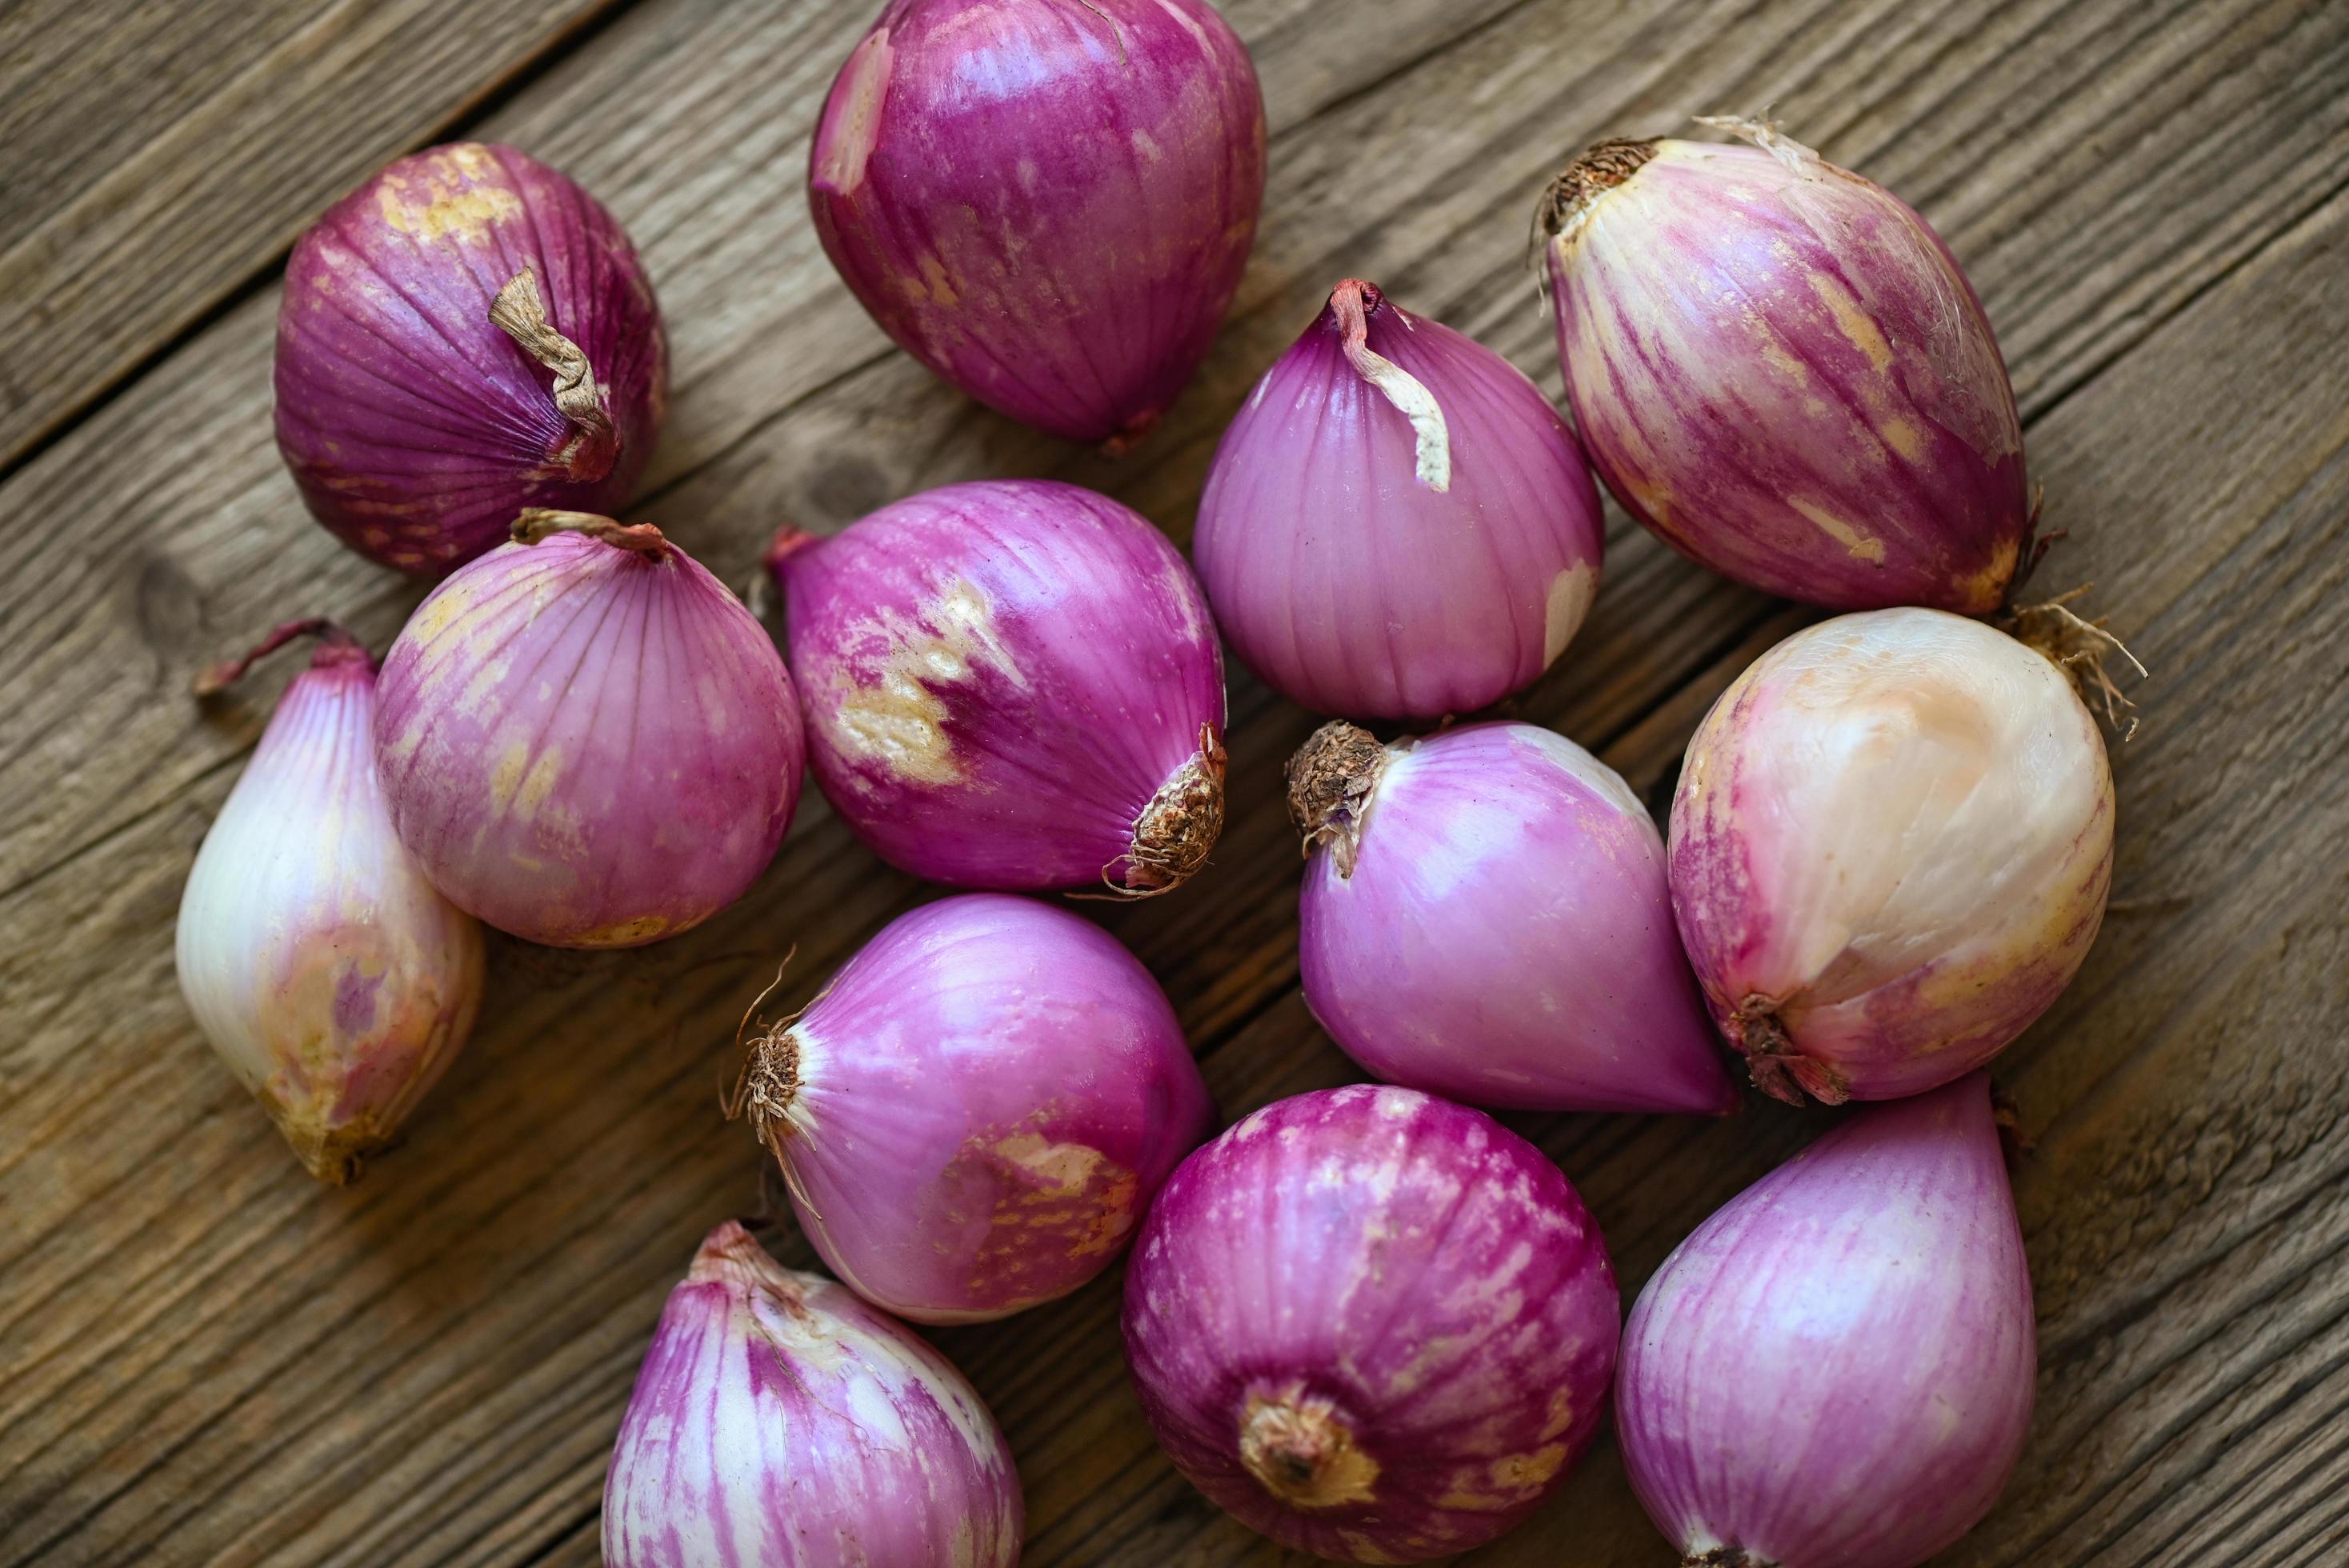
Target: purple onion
column 466, row 336
column 1397, row 524
column 1012, row 684
column 1837, row 1367
column 1486, row 917
column 1372, row 1324
column 585, row 738
column 1780, row 369
column 780, row 1422
column 1048, row 203
column 975, row 1113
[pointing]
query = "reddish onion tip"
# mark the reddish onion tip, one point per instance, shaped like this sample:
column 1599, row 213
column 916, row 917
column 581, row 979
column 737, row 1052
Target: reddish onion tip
column 1603, row 165
column 536, row 523
column 520, row 312
column 1329, row 778
column 334, row 646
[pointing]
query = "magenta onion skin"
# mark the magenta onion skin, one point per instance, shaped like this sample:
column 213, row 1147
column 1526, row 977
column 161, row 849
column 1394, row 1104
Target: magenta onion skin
column 976, row 1112
column 1397, row 524
column 1779, row 369
column 1485, row 916
column 589, row 743
column 1048, row 204
column 1372, row 1324
column 1890, row 849
column 780, row 1422
column 1010, row 684
column 1837, row 1367
column 416, row 426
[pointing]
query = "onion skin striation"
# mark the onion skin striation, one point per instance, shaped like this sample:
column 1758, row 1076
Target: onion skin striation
column 1397, row 524
column 1891, row 850
column 1486, row 917
column 1372, row 1324
column 317, row 958
column 1048, row 203
column 1837, row 1367
column 780, row 1422
column 977, row 1110
column 466, row 336
column 585, row 738
column 1779, row 369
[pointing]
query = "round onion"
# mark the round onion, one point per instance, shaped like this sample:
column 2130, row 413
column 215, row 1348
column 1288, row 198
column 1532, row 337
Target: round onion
column 1050, row 204
column 1486, row 918
column 1779, row 368
column 465, row 336
column 1372, row 1324
column 1837, row 1367
column 975, row 1113
column 1889, row 851
column 1397, row 524
column 1012, row 684
column 780, row 1422
column 585, row 738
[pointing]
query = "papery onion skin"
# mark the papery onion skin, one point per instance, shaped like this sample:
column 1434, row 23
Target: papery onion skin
column 1372, row 565
column 1372, row 1324
column 415, row 425
column 317, row 958
column 780, row 1422
column 977, row 1109
column 1485, row 916
column 1890, row 850
column 1779, row 369
column 1010, row 684
column 1048, row 204
column 1837, row 1367
column 587, row 740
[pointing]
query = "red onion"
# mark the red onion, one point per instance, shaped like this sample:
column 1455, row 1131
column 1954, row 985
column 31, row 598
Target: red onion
column 319, row 963
column 978, row 1107
column 465, row 336
column 587, row 739
column 1372, row 1324
column 1487, row 919
column 1889, row 851
column 1397, row 524
column 1837, row 1367
column 1780, row 369
column 780, row 1422
column 1048, row 202
column 1010, row 684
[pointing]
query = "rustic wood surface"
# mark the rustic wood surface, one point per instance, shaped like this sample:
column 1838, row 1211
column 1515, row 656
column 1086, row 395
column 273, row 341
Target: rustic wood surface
column 205, row 1357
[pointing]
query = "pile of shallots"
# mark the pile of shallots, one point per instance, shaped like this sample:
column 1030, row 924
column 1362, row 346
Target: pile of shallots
column 1369, row 1322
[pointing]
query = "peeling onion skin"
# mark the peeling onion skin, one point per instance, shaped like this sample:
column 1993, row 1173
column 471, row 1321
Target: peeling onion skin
column 1010, row 684
column 977, row 1109
column 1050, row 204
column 1839, row 1367
column 1372, row 1324
column 1370, row 566
column 589, row 744
column 780, row 1422
column 1779, row 369
column 317, row 958
column 1488, row 920
column 1890, row 850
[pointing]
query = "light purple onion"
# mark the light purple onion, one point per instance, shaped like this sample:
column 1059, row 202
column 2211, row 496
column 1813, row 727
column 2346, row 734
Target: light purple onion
column 466, row 336
column 1048, row 203
column 1397, row 524
column 1485, row 916
column 1837, row 1367
column 1780, row 369
column 586, row 740
column 1372, row 1324
column 976, row 1111
column 780, row 1422
column 1010, row 684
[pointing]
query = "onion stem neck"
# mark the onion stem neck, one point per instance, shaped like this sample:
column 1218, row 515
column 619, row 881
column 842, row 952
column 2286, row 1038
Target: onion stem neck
column 594, row 444
column 537, row 523
column 1303, row 1449
column 335, row 646
column 1331, row 780
column 1352, row 303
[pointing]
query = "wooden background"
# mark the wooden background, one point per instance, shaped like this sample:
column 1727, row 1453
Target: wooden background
column 205, row 1357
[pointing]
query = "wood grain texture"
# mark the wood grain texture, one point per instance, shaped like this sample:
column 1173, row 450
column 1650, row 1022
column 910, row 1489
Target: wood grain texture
column 204, row 1358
